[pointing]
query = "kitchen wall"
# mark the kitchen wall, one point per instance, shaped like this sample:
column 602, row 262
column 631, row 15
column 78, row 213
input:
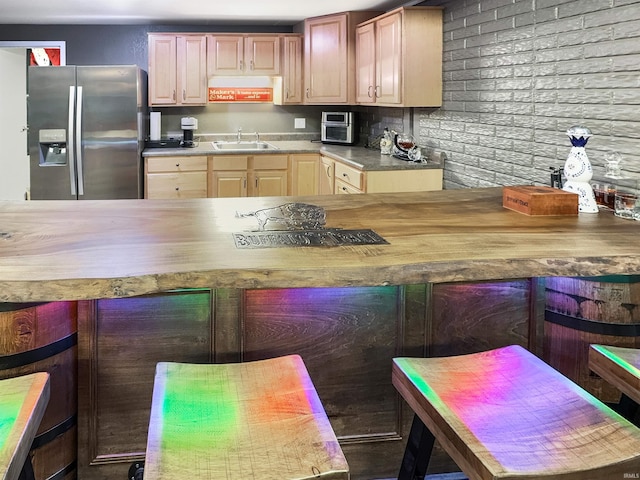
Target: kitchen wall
column 519, row 73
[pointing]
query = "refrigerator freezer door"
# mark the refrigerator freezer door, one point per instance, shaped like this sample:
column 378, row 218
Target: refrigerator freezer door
column 109, row 163
column 48, row 110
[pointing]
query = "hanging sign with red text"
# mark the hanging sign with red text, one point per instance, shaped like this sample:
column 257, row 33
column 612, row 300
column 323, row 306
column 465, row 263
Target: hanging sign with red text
column 240, row 94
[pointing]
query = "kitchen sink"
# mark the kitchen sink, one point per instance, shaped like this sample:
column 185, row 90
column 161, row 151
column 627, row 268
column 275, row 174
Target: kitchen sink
column 243, row 146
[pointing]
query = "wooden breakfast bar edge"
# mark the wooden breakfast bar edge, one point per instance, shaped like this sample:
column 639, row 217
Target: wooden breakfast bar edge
column 195, row 297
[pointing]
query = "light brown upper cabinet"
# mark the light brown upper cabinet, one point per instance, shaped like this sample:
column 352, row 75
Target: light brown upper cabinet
column 233, row 55
column 177, row 74
column 329, row 60
column 288, row 86
column 399, row 58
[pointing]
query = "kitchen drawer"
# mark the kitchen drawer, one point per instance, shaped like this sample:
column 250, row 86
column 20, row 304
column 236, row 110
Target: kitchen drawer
column 177, row 185
column 349, row 175
column 343, row 187
column 229, row 162
column 176, row 164
column 270, row 162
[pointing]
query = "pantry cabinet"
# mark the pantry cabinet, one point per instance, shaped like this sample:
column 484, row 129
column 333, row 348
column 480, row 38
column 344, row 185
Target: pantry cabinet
column 399, row 58
column 177, row 73
column 243, row 54
column 176, row 177
column 329, row 60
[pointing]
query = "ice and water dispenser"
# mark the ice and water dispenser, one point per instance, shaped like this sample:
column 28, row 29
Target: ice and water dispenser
column 53, row 147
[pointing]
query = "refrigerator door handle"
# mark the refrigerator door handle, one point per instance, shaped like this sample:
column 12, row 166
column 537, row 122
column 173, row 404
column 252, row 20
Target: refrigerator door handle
column 72, row 152
column 79, row 141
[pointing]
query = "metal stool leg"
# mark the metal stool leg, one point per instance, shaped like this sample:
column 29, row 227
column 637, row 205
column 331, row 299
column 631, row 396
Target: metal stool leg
column 27, row 470
column 417, row 453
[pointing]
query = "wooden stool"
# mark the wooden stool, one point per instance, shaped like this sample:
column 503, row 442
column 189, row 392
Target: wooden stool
column 621, row 368
column 259, row 420
column 23, row 401
column 505, row 414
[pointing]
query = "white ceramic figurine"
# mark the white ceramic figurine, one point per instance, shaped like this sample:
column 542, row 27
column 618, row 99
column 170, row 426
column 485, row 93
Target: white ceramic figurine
column 578, row 172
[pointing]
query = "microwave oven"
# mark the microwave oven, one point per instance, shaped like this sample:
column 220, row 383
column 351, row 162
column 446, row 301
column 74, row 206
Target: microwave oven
column 339, row 128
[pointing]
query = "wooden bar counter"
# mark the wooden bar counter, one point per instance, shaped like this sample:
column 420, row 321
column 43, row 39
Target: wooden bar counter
column 150, row 280
column 103, row 249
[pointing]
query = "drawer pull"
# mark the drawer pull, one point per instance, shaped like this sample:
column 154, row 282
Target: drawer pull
column 177, row 164
column 345, row 175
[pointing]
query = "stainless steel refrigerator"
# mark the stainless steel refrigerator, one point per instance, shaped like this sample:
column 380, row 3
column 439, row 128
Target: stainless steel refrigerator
column 87, row 127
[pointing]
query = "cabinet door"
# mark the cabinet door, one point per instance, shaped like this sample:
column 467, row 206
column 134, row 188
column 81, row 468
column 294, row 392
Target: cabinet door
column 327, row 176
column 365, row 64
column 225, row 184
column 162, row 70
column 225, row 55
column 305, row 174
column 325, row 73
column 292, row 70
column 262, row 55
column 389, row 59
column 191, row 60
column 268, row 183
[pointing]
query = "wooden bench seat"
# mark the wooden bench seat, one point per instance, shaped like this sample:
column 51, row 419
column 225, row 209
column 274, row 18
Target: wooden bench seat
column 255, row 420
column 23, row 401
column 619, row 366
column 505, row 414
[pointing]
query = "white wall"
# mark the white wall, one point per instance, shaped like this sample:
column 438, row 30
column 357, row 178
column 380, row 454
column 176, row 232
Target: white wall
column 14, row 159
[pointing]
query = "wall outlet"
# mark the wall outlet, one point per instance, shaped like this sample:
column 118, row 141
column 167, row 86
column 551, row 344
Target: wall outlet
column 299, row 123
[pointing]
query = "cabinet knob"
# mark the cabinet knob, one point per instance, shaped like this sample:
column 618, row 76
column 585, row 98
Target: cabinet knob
column 345, row 175
column 177, row 164
column 177, row 189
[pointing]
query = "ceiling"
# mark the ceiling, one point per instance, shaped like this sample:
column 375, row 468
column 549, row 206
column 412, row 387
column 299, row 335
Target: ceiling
column 264, row 12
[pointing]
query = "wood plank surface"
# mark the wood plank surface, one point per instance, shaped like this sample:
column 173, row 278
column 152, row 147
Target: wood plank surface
column 619, row 366
column 61, row 250
column 505, row 414
column 258, row 419
column 23, row 401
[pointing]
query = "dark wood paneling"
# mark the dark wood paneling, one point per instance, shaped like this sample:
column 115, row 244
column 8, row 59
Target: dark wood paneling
column 472, row 317
column 121, row 342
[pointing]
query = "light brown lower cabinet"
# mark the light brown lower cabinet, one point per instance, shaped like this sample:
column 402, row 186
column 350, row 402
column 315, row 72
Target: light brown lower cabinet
column 176, row 177
column 223, row 176
column 346, row 336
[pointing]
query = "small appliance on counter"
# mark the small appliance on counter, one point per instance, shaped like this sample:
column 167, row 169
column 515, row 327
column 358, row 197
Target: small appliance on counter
column 188, row 125
column 339, row 128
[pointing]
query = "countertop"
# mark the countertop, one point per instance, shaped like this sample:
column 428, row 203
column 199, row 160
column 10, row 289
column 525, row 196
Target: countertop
column 68, row 250
column 356, row 156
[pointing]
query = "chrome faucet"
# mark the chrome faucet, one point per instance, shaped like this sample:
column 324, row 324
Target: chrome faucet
column 239, row 134
column 257, row 137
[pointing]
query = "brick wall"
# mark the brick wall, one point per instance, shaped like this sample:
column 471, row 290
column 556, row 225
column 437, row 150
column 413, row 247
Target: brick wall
column 519, row 73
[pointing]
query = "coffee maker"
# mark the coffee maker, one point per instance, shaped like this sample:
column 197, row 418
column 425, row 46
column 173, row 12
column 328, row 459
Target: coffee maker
column 188, row 125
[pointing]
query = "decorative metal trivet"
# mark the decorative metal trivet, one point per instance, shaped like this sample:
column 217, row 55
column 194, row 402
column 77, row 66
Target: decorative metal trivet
column 299, row 225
